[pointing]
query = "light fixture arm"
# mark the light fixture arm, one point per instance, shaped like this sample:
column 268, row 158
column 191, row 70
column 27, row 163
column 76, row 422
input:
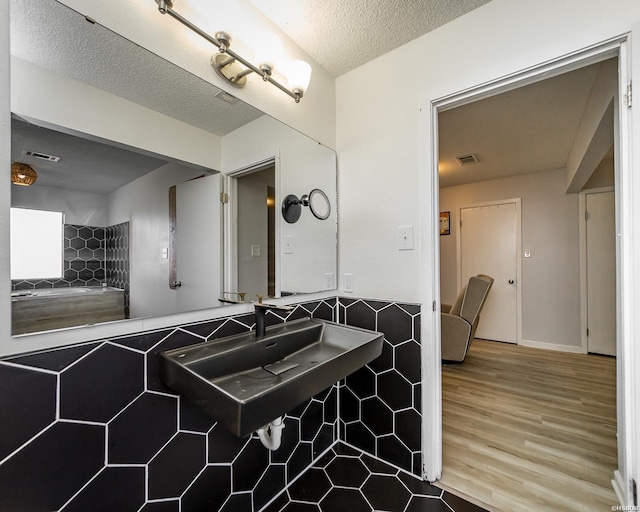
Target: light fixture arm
column 222, row 41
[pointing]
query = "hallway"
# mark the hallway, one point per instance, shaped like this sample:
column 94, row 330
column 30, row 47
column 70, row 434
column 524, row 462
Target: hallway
column 527, row 429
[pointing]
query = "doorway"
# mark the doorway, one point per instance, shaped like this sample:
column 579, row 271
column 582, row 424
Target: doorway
column 487, row 190
column 252, row 256
column 598, row 230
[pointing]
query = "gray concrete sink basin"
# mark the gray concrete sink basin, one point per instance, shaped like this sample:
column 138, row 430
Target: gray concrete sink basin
column 245, row 382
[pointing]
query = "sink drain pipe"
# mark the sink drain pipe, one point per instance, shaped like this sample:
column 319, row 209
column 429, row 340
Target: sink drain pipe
column 271, row 434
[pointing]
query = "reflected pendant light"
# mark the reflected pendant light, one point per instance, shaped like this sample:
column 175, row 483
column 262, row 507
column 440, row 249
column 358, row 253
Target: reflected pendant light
column 23, row 174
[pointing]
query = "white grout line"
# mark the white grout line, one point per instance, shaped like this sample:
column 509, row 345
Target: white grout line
column 29, row 368
column 286, row 488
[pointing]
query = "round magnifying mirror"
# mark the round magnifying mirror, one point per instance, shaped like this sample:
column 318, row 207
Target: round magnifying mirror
column 319, row 204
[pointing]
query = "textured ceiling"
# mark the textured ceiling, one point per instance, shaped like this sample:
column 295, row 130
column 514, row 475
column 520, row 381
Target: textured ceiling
column 57, row 38
column 528, row 129
column 343, row 34
column 525, row 130
column 84, row 165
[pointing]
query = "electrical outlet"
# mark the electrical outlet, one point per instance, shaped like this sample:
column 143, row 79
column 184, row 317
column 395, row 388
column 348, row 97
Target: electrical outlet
column 328, row 281
column 348, row 283
column 288, row 244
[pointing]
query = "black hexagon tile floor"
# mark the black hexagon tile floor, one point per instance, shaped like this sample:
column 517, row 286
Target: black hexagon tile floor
column 345, row 478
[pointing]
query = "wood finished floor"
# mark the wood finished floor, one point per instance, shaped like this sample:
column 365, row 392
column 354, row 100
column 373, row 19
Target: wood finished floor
column 530, row 430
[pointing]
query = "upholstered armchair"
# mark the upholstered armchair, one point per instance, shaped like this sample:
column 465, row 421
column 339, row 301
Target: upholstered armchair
column 459, row 322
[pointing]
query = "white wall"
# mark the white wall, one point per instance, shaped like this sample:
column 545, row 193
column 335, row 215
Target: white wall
column 385, row 148
column 5, row 177
column 82, row 208
column 303, row 165
column 383, row 121
column 551, row 276
column 145, row 204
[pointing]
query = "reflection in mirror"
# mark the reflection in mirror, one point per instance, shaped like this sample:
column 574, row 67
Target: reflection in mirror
column 256, row 232
column 126, row 139
column 115, row 238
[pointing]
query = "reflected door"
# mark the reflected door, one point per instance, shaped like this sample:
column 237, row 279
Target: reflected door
column 198, row 250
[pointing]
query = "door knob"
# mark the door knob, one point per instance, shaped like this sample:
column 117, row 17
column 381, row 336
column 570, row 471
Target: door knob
column 511, row 281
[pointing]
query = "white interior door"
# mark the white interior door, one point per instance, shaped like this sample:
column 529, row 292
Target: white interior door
column 488, row 245
column 601, row 273
column 198, row 225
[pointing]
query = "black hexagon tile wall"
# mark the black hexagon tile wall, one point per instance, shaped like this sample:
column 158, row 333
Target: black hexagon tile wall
column 81, row 421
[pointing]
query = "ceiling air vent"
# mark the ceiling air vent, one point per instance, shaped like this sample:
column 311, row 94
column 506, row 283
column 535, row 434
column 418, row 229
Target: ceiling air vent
column 467, row 159
column 41, row 156
column 226, row 97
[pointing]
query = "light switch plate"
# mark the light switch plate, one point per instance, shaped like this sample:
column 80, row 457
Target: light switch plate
column 405, row 238
column 255, row 250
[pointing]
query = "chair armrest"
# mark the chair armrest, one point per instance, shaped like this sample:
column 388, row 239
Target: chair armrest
column 445, row 308
column 455, row 336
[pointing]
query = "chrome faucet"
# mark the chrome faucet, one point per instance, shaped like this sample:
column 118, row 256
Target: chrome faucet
column 261, row 311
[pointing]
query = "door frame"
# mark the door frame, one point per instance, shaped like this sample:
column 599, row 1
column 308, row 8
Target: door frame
column 628, row 385
column 230, row 221
column 518, row 202
column 582, row 223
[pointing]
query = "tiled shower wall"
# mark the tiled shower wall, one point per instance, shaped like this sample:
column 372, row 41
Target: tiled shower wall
column 92, row 255
column 83, row 260
column 92, row 427
column 117, row 260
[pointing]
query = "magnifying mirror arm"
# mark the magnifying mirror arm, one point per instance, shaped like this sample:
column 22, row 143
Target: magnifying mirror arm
column 289, row 200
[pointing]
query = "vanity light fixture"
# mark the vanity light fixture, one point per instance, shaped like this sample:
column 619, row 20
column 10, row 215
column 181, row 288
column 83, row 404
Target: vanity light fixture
column 234, row 68
column 23, row 174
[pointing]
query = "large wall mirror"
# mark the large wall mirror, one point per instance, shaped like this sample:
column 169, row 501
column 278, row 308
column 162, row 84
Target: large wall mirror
column 170, row 189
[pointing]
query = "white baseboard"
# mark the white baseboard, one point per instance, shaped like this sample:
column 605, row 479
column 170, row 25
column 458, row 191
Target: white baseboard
column 618, row 486
column 553, row 346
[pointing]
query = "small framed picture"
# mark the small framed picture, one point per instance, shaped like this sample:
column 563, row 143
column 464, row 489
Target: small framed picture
column 445, row 228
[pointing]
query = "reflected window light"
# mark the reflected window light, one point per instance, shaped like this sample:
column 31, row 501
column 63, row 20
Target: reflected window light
column 36, row 238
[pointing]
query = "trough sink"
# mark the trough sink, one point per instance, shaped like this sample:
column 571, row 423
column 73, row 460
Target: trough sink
column 245, row 382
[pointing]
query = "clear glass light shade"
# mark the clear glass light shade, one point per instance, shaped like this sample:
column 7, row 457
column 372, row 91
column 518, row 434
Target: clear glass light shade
column 267, row 50
column 298, row 75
